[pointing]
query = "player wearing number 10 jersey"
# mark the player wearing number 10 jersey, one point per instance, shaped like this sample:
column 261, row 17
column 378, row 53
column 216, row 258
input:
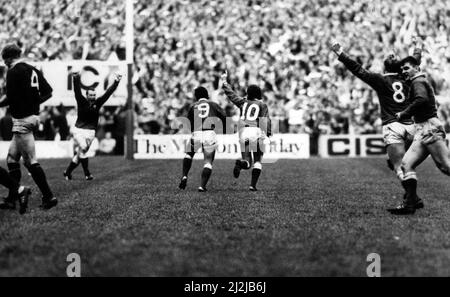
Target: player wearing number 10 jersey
column 255, row 127
column 205, row 118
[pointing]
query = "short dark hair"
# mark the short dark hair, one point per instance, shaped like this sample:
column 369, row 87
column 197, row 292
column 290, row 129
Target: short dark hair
column 90, row 89
column 11, row 51
column 201, row 93
column 391, row 64
column 410, row 59
column 254, row 92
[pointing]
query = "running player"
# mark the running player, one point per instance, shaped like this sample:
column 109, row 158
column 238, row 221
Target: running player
column 205, row 118
column 430, row 133
column 254, row 129
column 392, row 91
column 86, row 124
column 26, row 90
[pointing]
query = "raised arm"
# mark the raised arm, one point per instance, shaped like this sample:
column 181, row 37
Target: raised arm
column 101, row 100
column 370, row 78
column 77, row 87
column 418, row 48
column 231, row 95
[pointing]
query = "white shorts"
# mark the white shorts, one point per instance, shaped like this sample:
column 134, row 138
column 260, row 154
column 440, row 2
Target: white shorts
column 396, row 132
column 83, row 139
column 205, row 139
column 25, row 125
column 251, row 134
column 430, row 131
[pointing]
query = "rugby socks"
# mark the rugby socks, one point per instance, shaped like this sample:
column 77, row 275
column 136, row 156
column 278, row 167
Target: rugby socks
column 256, row 172
column 9, row 182
column 85, row 164
column 187, row 163
column 245, row 164
column 14, row 171
column 206, row 174
column 410, row 185
column 71, row 168
column 38, row 175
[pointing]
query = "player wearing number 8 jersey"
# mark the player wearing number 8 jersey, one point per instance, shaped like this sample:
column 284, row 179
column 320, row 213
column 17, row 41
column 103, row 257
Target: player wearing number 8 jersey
column 392, row 91
column 26, row 89
column 254, row 129
column 205, row 117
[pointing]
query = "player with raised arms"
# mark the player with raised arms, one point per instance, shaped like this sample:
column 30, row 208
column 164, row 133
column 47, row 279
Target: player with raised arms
column 430, row 133
column 205, row 118
column 86, row 124
column 26, row 90
column 254, row 129
column 392, row 91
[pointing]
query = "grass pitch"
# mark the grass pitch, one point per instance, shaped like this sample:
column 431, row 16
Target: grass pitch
column 311, row 218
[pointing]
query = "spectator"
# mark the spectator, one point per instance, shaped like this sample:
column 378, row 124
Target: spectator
column 107, row 144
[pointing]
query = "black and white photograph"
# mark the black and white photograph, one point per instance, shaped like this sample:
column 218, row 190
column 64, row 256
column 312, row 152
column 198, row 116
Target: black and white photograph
column 224, row 143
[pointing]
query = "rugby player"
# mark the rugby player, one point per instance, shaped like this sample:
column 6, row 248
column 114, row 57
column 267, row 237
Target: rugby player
column 430, row 133
column 86, row 124
column 254, row 129
column 205, row 117
column 26, row 90
column 392, row 91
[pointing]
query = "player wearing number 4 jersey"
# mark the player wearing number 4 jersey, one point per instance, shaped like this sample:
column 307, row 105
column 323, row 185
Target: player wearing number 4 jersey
column 205, row 118
column 255, row 128
column 392, row 91
column 26, row 89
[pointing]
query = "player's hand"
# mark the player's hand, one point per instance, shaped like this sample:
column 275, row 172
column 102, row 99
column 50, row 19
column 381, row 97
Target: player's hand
column 337, row 48
column 417, row 41
column 118, row 77
column 223, row 79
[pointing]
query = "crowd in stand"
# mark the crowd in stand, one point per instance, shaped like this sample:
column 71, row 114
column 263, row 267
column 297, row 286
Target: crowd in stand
column 283, row 46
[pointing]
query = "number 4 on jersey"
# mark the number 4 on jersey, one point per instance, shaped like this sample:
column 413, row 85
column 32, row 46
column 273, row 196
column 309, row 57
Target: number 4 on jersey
column 34, row 80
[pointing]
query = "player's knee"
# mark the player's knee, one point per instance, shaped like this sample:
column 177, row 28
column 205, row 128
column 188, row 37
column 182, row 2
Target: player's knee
column 188, row 156
column 406, row 167
column 208, row 166
column 257, row 165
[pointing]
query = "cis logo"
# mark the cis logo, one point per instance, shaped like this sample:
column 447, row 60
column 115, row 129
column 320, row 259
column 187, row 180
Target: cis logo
column 85, row 71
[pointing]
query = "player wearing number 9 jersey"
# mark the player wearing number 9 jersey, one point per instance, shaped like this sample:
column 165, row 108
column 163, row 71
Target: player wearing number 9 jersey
column 254, row 129
column 205, row 117
column 392, row 91
column 26, row 89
